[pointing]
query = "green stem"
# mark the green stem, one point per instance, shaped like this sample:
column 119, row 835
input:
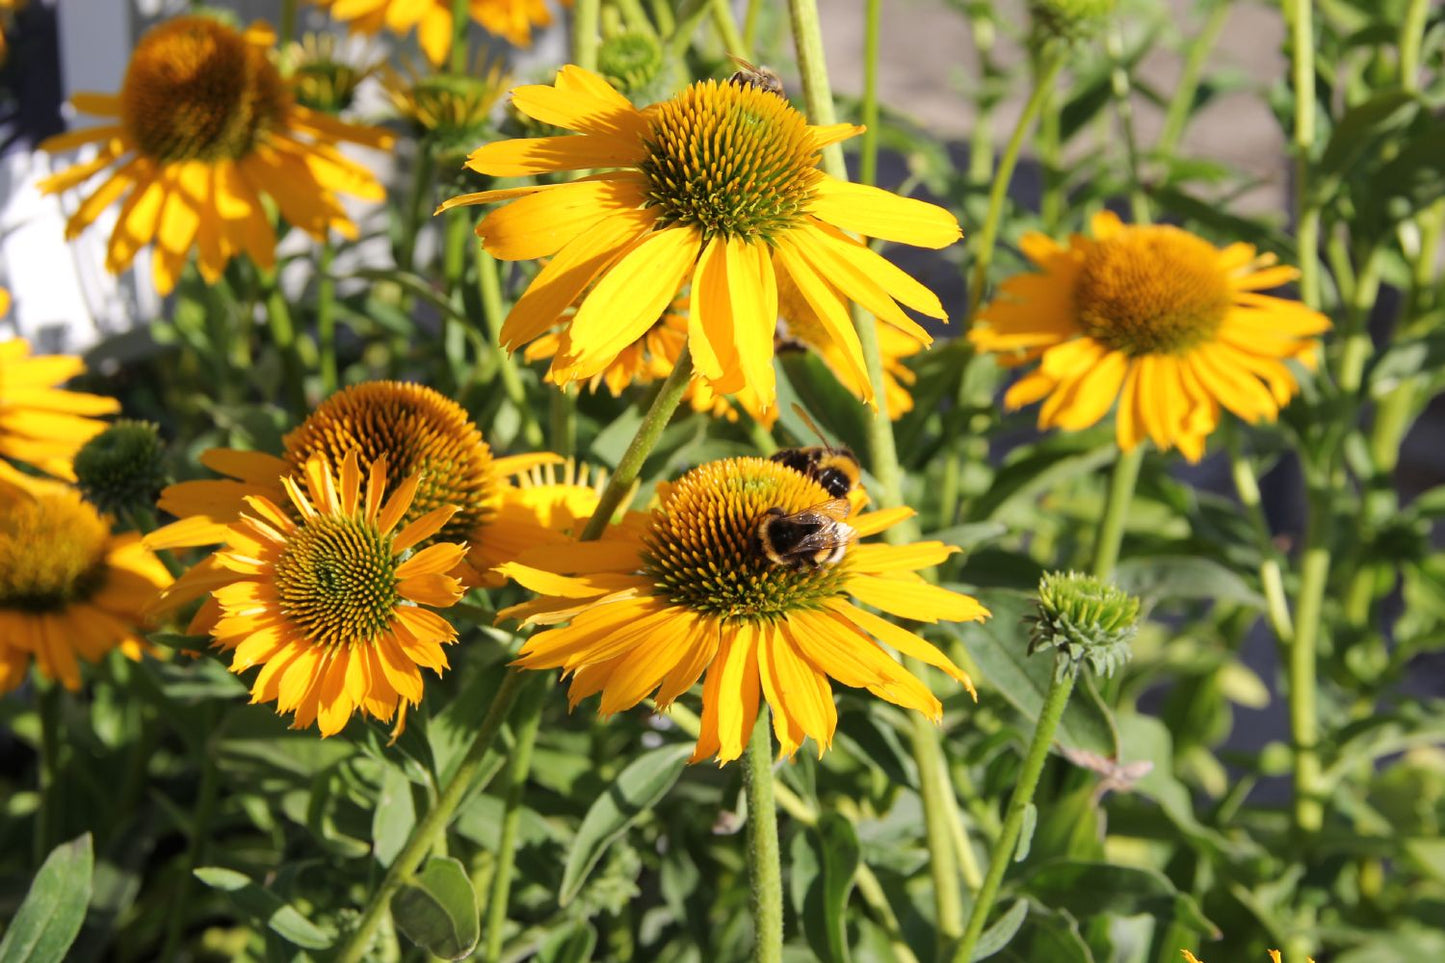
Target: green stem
column 619, row 486
column 868, row 150
column 1302, row 668
column 48, row 708
column 283, row 336
column 1023, row 795
column 1271, row 576
column 432, row 826
column 1412, row 38
column 682, row 33
column 1122, row 91
column 1307, row 212
column 988, row 232
column 326, row 316
column 207, row 796
column 764, row 856
column 489, row 287
column 586, row 32
column 1110, row 533
column 1358, row 345
column 1048, row 146
column 727, row 28
column 984, row 34
column 458, row 232
column 636, row 17
column 562, row 405
column 461, row 26
column 421, row 205
column 750, row 23
column 287, row 31
column 1181, row 105
column 939, row 810
column 519, row 764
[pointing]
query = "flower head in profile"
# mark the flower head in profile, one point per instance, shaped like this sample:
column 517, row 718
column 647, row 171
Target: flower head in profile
column 1155, row 320
column 717, row 189
column 323, row 73
column 69, row 588
column 450, row 110
column 689, row 591
column 415, row 431
column 513, row 20
column 326, row 597
column 1274, row 957
column 203, row 134
column 42, row 425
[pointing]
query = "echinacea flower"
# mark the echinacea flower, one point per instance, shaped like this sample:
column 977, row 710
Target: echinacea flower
column 1274, row 957
column 415, row 429
column 513, row 20
column 1154, row 319
column 68, row 587
column 326, row 598
column 42, row 425
column 203, row 131
column 662, row 599
column 717, row 188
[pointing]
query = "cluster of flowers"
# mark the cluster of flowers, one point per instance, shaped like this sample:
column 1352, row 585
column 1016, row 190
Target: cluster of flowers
column 704, row 227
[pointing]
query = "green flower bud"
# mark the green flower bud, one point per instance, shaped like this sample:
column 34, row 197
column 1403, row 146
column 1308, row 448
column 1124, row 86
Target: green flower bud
column 453, row 111
column 1081, row 617
column 1068, row 20
column 630, row 60
column 121, row 469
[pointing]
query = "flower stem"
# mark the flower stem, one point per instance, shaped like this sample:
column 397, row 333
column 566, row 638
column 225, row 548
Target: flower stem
column 206, row 798
column 764, row 855
column 727, row 28
column 48, row 708
column 1307, row 212
column 1412, row 39
column 519, row 764
column 988, row 233
column 461, row 24
column 939, row 805
column 1122, row 91
column 1028, row 781
column 425, row 834
column 1271, row 576
column 283, row 336
column 586, row 32
column 1181, row 105
column 1110, row 532
column 326, row 316
column 619, row 486
column 868, row 151
column 287, row 29
column 489, row 287
column 1302, row 668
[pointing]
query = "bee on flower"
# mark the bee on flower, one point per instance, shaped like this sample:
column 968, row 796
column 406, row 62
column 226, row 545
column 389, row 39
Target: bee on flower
column 748, row 574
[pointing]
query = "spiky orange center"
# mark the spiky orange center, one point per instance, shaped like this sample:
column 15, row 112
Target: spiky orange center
column 336, row 580
column 196, row 90
column 52, row 551
column 1151, row 290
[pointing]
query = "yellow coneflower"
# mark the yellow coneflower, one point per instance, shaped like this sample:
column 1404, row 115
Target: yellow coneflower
column 417, row 430
column 203, row 131
column 1155, row 319
column 662, row 599
column 450, row 110
column 717, row 188
column 68, row 587
column 324, row 76
column 41, row 425
column 432, row 19
column 326, row 597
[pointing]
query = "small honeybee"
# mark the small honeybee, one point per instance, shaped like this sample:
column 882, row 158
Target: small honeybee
column 812, row 538
column 836, row 469
column 751, row 75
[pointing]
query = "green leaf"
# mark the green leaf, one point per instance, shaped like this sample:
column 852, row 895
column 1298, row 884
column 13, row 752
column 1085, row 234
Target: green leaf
column 1087, row 889
column 1412, row 944
column 1362, row 127
column 1026, row 832
column 831, row 405
column 1040, row 467
column 997, row 936
column 636, row 790
column 437, row 909
column 49, row 919
column 824, row 906
column 393, row 817
column 1000, row 649
column 573, row 944
column 1163, row 577
column 265, row 907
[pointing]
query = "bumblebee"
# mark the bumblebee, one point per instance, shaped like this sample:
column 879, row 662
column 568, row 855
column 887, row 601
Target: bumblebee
column 751, row 75
column 813, row 538
column 836, row 469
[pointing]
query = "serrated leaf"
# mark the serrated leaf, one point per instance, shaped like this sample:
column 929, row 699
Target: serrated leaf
column 265, row 907
column 49, row 919
column 437, row 909
column 636, row 790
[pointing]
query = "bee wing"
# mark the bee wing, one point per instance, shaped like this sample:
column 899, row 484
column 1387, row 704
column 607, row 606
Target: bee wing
column 746, row 65
column 838, row 509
